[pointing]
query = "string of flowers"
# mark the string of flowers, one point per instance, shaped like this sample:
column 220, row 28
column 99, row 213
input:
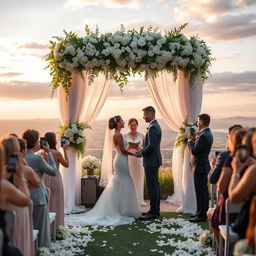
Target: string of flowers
column 75, row 138
column 184, row 132
column 123, row 53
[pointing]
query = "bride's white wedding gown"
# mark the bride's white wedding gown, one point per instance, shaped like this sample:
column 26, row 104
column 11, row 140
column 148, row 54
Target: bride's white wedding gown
column 117, row 204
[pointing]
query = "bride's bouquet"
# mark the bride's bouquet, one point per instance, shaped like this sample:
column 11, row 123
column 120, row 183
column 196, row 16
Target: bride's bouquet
column 90, row 163
column 184, row 132
column 75, row 137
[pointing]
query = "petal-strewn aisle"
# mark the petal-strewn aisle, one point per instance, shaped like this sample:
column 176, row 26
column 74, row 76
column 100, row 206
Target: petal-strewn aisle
column 172, row 234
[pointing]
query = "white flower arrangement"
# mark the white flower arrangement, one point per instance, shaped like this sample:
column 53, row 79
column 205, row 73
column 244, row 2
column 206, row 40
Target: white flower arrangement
column 43, row 251
column 205, row 238
column 74, row 134
column 184, row 132
column 123, row 53
column 62, row 232
column 90, row 163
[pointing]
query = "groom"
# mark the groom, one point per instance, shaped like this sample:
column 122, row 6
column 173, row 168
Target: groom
column 200, row 148
column 152, row 160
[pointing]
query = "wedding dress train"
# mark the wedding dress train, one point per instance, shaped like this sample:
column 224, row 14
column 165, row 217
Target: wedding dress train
column 117, row 204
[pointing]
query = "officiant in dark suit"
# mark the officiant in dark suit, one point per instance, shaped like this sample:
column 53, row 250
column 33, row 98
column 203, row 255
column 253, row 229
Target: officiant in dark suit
column 200, row 147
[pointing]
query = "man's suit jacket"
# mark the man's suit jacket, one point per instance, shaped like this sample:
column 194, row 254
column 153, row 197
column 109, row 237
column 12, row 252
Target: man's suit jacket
column 40, row 166
column 216, row 170
column 200, row 150
column 151, row 151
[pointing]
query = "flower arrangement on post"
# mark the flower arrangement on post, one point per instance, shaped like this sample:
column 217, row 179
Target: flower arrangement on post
column 184, row 132
column 123, row 53
column 90, row 163
column 74, row 133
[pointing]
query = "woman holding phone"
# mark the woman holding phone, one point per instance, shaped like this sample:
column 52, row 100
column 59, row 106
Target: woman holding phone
column 135, row 143
column 54, row 183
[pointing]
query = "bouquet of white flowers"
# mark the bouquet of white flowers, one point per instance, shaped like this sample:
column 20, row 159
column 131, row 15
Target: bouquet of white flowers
column 62, row 232
column 90, row 163
column 205, row 238
column 74, row 134
column 123, row 53
column 184, row 132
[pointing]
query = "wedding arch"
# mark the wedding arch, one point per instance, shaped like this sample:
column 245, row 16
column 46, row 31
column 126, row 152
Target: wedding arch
column 83, row 69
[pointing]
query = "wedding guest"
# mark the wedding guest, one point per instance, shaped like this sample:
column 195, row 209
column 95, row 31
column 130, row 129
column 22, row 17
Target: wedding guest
column 39, row 195
column 10, row 194
column 242, row 185
column 217, row 216
column 23, row 221
column 54, row 183
column 200, row 148
column 219, row 161
column 135, row 141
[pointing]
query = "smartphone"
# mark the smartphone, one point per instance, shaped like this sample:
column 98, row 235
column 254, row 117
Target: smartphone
column 63, row 140
column 242, row 153
column 12, row 160
column 216, row 153
column 192, row 131
column 42, row 142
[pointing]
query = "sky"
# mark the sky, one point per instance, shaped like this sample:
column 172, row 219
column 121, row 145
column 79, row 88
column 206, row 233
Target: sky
column 26, row 26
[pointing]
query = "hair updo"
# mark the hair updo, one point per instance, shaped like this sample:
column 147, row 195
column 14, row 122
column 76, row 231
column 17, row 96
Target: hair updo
column 112, row 123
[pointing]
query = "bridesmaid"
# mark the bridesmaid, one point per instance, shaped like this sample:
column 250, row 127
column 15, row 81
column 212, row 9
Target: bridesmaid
column 135, row 141
column 15, row 196
column 54, row 183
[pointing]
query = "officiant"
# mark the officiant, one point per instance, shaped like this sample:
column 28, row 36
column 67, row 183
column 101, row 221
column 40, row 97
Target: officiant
column 135, row 141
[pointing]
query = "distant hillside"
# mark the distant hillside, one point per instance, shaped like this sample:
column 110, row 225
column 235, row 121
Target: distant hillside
column 95, row 136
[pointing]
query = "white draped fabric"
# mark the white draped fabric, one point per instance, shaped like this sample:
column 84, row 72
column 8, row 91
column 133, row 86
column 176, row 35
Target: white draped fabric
column 176, row 101
column 83, row 104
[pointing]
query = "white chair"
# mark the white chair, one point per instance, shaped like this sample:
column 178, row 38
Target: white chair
column 226, row 232
column 35, row 231
column 52, row 217
column 10, row 217
column 1, row 241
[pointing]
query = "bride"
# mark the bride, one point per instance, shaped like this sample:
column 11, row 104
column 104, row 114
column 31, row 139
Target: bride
column 117, row 204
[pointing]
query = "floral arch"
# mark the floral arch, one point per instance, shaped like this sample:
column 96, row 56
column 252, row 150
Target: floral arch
column 83, row 69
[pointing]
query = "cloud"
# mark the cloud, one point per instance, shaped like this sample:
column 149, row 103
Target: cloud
column 232, row 82
column 22, row 90
column 10, row 74
column 34, row 46
column 245, row 2
column 76, row 4
column 228, row 56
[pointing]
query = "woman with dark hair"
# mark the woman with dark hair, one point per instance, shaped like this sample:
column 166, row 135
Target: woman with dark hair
column 17, row 195
column 135, row 143
column 54, row 183
column 117, row 204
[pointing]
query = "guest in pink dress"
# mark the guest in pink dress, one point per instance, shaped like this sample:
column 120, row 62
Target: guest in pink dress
column 54, row 183
column 23, row 232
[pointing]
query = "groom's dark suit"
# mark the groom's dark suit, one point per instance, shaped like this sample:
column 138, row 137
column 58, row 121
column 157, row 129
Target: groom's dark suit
column 152, row 160
column 200, row 150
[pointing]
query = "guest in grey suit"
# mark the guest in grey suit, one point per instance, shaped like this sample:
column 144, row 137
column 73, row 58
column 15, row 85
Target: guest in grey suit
column 152, row 160
column 200, row 148
column 39, row 195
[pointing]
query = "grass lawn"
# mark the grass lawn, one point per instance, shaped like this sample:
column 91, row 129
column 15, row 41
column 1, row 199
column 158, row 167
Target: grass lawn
column 136, row 239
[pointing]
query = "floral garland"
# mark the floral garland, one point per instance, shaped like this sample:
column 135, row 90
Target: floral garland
column 74, row 133
column 184, row 132
column 123, row 53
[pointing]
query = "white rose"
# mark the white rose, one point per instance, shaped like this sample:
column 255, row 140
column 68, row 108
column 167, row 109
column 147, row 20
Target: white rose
column 156, row 50
column 141, row 41
column 153, row 65
column 133, row 44
column 151, row 53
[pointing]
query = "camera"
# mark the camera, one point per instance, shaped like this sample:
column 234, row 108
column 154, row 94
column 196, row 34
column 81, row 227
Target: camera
column 42, row 142
column 242, row 153
column 192, row 131
column 63, row 140
column 12, row 163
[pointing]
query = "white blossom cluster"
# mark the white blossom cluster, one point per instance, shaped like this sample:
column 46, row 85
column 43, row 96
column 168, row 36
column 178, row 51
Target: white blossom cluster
column 74, row 135
column 90, row 162
column 143, row 51
column 62, row 232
